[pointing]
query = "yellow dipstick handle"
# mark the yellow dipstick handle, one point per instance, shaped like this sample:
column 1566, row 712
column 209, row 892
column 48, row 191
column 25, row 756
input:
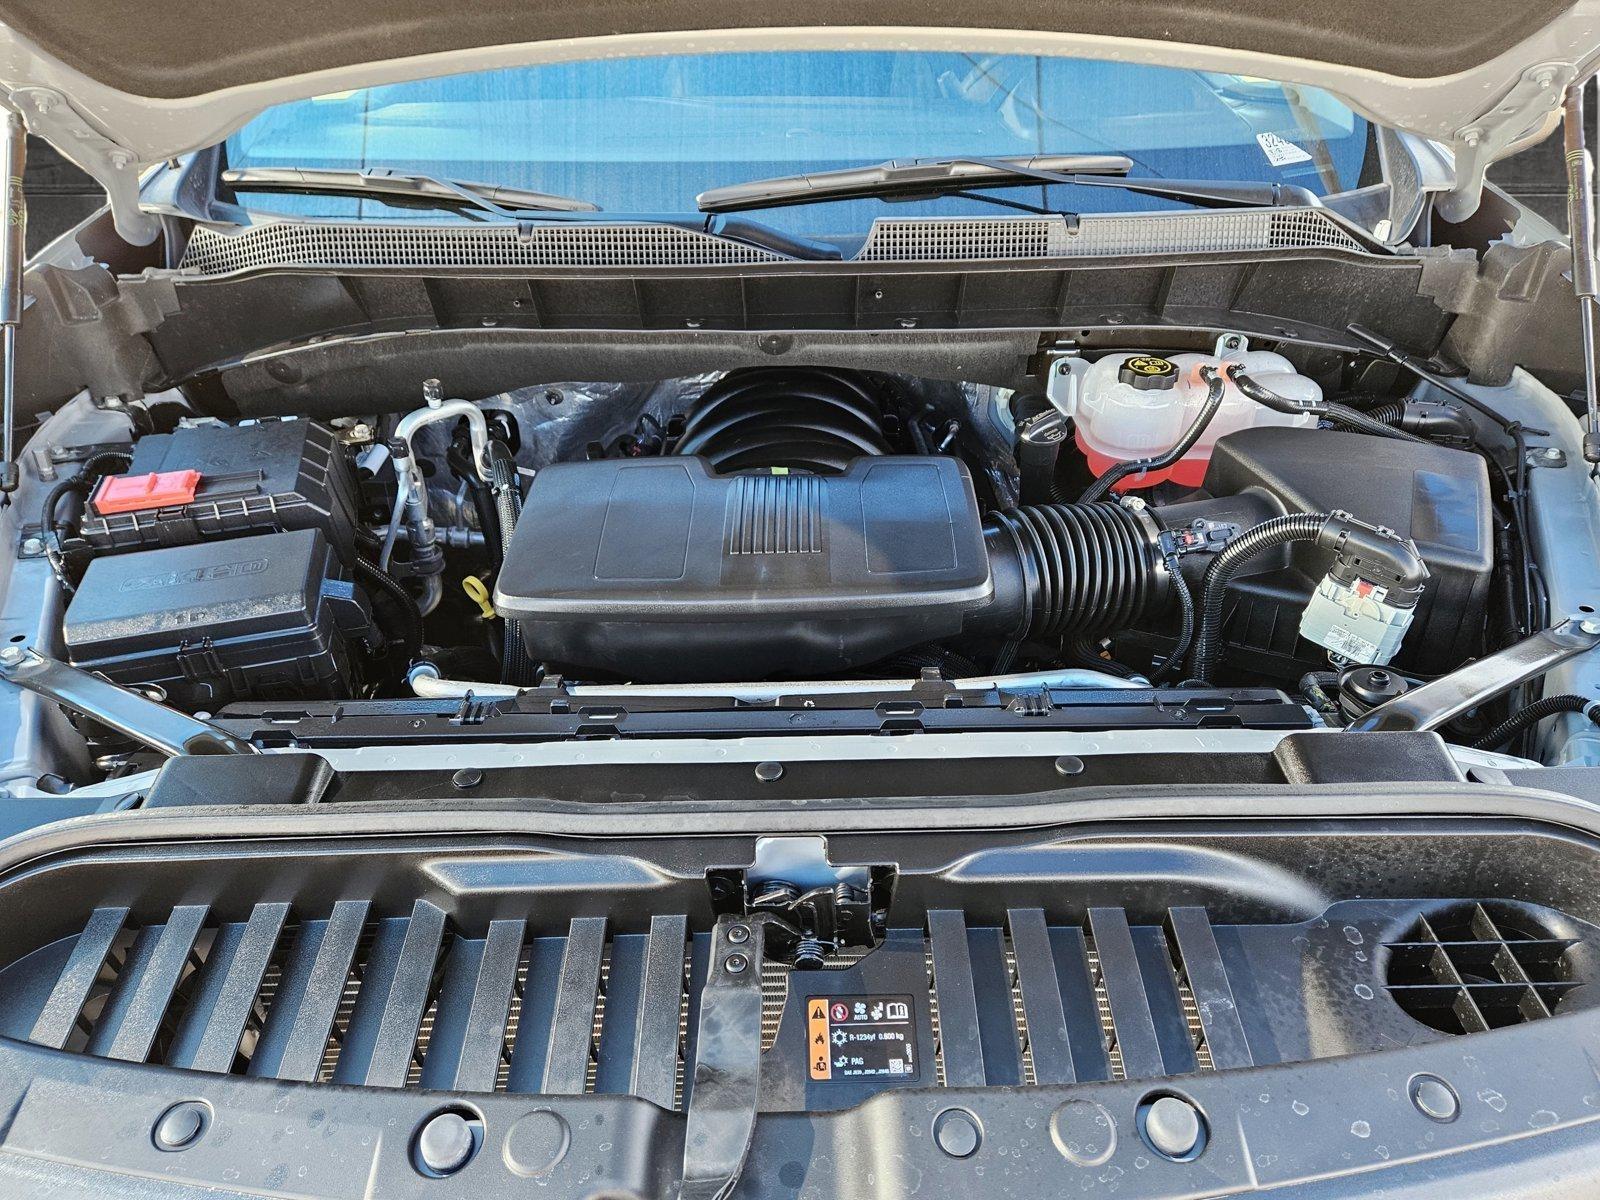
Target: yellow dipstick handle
column 473, row 586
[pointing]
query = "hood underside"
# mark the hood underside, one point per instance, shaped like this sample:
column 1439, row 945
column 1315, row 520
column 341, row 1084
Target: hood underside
column 176, row 50
column 119, row 86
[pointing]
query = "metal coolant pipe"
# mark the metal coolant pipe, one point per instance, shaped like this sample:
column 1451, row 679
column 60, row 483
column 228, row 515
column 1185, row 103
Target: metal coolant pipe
column 426, row 682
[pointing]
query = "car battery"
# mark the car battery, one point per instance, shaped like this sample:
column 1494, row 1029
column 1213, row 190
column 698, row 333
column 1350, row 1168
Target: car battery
column 207, row 481
column 269, row 617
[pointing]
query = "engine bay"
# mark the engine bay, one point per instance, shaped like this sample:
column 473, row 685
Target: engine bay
column 1156, row 520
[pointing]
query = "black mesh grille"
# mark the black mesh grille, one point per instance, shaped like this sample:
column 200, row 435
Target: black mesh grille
column 1473, row 967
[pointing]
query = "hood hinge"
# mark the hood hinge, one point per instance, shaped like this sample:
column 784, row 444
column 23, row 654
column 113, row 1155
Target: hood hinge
column 1524, row 115
column 115, row 168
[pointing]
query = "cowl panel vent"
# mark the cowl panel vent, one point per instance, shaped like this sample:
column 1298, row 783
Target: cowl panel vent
column 1472, row 967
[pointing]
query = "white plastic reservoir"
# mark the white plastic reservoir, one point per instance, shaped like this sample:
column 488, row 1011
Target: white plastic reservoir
column 1133, row 406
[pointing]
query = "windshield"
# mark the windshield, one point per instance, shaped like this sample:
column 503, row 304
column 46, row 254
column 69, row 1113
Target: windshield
column 646, row 135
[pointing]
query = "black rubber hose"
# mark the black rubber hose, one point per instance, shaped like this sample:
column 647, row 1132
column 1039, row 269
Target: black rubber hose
column 1083, row 569
column 1296, row 527
column 410, row 632
column 1362, row 422
column 83, row 482
column 1388, row 414
column 515, row 664
column 1337, row 413
column 1531, row 714
column 1180, row 652
column 1216, row 388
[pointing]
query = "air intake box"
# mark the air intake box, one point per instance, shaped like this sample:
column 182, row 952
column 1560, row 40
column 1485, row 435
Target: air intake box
column 659, row 570
column 1436, row 496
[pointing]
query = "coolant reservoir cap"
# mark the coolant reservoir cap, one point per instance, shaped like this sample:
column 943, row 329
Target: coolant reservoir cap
column 1148, row 373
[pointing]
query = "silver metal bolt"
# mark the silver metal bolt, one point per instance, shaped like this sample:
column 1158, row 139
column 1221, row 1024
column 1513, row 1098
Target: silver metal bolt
column 32, row 547
column 1589, row 625
column 11, row 654
column 735, row 964
column 432, row 392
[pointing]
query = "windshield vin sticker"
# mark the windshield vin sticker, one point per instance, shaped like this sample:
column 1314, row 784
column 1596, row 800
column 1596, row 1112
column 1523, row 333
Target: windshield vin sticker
column 861, row 1037
column 1281, row 152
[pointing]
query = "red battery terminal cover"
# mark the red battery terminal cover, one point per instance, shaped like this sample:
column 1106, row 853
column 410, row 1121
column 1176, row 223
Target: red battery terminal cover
column 136, row 493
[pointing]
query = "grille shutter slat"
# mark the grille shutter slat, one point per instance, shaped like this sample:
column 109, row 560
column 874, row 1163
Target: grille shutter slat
column 307, row 1000
column 655, row 1061
column 1174, row 1035
column 150, row 992
column 960, row 1045
column 208, row 1037
column 1076, row 978
column 1208, row 983
column 119, row 1002
column 572, row 1028
column 536, row 1014
column 474, row 1003
column 1048, row 1040
column 619, row 1034
column 59, row 1016
column 382, row 1034
column 1124, row 982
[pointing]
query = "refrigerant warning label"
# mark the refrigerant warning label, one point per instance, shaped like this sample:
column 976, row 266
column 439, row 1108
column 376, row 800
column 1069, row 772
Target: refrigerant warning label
column 861, row 1037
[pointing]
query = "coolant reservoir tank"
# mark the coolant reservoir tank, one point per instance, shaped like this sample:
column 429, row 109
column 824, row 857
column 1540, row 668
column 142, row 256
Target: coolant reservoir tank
column 1134, row 406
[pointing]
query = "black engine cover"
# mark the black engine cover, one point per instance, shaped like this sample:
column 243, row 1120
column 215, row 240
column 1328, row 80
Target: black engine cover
column 657, row 569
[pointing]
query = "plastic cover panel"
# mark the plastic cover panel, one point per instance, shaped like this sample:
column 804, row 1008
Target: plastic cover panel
column 344, row 245
column 919, row 240
column 369, row 244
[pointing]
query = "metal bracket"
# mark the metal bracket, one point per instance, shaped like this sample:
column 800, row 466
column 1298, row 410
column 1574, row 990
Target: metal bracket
column 1524, row 111
column 721, row 1110
column 139, row 717
column 115, row 168
column 1546, row 456
column 1436, row 704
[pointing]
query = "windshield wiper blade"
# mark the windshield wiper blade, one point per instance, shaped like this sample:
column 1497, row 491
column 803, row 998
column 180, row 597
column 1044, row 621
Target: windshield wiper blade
column 508, row 202
column 907, row 177
column 904, row 178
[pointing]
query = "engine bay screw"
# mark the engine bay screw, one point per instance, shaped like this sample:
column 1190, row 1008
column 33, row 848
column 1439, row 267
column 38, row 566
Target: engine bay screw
column 735, row 964
column 1590, row 625
column 739, row 934
column 32, row 547
column 11, row 654
column 769, row 772
column 180, row 1126
column 467, row 777
column 1069, row 764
